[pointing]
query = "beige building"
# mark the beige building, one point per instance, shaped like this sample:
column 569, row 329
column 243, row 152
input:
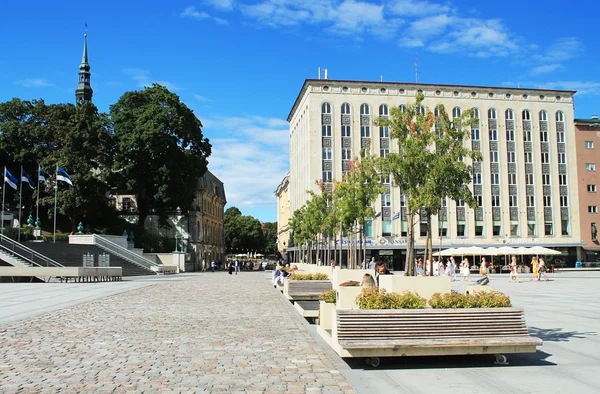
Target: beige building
column 283, row 214
column 525, row 186
column 201, row 231
column 207, row 219
column 587, row 137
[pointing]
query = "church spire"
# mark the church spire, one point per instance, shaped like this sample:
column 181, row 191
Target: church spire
column 84, row 89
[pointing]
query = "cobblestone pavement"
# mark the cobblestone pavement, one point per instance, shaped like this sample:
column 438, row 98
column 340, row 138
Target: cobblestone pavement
column 211, row 333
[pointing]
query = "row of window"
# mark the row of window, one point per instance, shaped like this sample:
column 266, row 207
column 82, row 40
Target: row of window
column 510, row 135
column 386, row 229
column 456, row 112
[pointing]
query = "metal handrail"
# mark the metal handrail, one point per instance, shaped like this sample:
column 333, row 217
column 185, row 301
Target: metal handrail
column 12, row 253
column 24, row 250
column 122, row 252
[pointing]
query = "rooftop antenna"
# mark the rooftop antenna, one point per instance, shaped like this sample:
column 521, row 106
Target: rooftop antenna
column 382, row 78
column 417, row 70
column 323, row 73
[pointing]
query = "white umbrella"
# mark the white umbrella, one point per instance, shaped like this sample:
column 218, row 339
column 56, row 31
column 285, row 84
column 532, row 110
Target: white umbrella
column 506, row 250
column 492, row 251
column 537, row 250
column 259, row 255
column 474, row 251
column 449, row 252
column 522, row 251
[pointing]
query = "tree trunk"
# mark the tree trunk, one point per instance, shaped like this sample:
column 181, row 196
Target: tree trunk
column 410, row 245
column 428, row 254
column 363, row 243
column 339, row 264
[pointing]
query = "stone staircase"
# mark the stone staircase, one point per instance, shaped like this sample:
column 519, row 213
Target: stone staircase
column 13, row 260
column 71, row 255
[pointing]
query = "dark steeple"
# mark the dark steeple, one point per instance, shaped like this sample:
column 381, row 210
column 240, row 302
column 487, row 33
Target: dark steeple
column 84, row 89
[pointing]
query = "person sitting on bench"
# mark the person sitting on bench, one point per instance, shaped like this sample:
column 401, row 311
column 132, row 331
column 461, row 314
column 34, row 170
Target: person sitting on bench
column 381, row 269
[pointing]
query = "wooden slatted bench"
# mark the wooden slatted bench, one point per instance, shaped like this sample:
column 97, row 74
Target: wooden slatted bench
column 431, row 332
column 305, row 290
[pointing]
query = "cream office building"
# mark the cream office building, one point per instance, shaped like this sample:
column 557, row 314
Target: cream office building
column 525, row 185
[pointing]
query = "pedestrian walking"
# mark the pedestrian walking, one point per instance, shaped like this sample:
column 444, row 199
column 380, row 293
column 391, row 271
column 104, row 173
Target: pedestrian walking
column 213, row 265
column 236, row 266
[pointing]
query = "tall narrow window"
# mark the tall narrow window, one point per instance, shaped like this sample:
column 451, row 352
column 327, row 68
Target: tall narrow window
column 365, row 121
column 346, row 121
column 475, row 128
column 326, row 120
column 384, row 132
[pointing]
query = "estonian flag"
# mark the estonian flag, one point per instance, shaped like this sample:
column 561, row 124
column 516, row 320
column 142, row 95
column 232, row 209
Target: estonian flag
column 396, row 216
column 25, row 178
column 41, row 176
column 61, row 175
column 10, row 179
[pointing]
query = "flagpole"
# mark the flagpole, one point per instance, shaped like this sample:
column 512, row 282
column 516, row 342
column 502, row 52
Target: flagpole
column 55, row 197
column 20, row 203
column 3, row 191
column 37, row 205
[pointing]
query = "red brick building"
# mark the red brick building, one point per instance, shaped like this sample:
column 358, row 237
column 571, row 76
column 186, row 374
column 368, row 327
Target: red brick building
column 587, row 137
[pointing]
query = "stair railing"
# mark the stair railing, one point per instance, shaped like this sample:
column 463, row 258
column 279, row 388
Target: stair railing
column 25, row 253
column 124, row 253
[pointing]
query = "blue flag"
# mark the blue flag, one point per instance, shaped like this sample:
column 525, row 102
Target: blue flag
column 396, row 216
column 25, row 178
column 61, row 175
column 10, row 179
column 41, row 175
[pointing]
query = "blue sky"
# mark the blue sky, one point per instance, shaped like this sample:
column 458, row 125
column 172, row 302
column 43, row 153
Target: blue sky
column 240, row 64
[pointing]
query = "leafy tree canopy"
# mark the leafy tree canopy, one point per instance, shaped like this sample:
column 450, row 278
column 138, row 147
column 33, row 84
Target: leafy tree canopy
column 160, row 150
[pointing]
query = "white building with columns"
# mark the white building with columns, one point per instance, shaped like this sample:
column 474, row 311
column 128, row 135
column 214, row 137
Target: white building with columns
column 525, row 184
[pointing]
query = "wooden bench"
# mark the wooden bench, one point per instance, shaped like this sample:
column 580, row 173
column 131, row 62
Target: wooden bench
column 431, row 332
column 305, row 290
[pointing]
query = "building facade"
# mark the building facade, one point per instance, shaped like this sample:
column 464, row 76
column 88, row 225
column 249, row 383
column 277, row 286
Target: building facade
column 587, row 138
column 206, row 220
column 525, row 185
column 283, row 214
column 200, row 233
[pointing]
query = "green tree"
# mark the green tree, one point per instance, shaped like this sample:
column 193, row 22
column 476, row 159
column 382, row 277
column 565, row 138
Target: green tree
column 448, row 173
column 270, row 237
column 242, row 233
column 412, row 131
column 75, row 137
column 160, row 151
column 356, row 194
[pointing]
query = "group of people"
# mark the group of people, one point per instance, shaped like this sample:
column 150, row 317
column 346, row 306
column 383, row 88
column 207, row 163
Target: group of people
column 538, row 270
column 439, row 268
column 281, row 274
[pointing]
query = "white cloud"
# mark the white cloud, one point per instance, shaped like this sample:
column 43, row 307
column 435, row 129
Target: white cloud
column 200, row 98
column 416, row 8
column 143, row 79
column 193, row 13
column 34, row 83
column 545, row 69
column 226, row 5
column 590, row 88
column 250, row 155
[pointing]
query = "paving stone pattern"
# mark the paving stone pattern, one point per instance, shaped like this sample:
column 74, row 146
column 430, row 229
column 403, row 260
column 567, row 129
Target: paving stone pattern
column 211, row 333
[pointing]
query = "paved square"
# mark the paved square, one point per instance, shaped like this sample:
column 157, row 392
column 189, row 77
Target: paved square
column 209, row 333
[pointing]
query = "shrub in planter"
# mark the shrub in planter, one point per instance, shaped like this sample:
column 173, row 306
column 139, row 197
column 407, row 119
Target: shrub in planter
column 317, row 276
column 374, row 299
column 492, row 299
column 329, row 296
column 485, row 299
